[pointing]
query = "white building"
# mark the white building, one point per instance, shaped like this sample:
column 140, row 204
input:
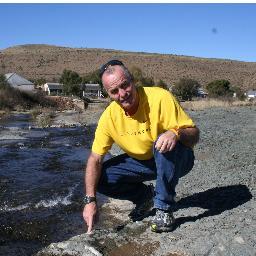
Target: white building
column 18, row 82
column 251, row 94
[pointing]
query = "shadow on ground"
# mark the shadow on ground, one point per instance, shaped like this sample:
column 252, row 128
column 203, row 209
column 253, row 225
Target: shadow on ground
column 215, row 200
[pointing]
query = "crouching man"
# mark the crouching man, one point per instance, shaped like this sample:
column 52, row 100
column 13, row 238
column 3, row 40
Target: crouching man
column 157, row 137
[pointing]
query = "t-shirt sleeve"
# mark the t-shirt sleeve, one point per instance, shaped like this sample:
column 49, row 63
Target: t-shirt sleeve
column 102, row 139
column 172, row 115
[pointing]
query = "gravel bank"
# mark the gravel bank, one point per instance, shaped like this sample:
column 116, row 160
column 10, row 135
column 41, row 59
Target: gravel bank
column 216, row 211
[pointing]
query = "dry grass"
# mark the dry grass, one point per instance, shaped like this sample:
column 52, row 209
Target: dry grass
column 13, row 99
column 44, row 120
column 212, row 103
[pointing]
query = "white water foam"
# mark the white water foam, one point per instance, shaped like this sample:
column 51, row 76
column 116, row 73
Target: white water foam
column 59, row 200
column 6, row 208
column 66, row 200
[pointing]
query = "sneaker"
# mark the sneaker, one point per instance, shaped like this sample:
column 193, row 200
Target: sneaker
column 163, row 221
column 143, row 209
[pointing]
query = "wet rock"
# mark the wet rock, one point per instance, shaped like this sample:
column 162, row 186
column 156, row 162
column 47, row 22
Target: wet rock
column 77, row 246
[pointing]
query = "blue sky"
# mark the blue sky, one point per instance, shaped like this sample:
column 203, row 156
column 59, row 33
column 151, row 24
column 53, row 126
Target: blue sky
column 226, row 31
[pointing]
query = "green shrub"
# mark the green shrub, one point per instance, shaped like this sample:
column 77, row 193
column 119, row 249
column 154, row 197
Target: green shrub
column 3, row 82
column 219, row 88
column 71, row 82
column 186, row 88
column 139, row 78
column 162, row 84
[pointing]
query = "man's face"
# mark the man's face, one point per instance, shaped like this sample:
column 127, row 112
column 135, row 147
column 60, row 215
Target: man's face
column 120, row 89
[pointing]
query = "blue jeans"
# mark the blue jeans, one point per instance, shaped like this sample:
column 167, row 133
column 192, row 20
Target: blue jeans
column 122, row 176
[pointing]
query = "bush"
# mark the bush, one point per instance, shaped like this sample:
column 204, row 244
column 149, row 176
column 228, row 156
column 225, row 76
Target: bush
column 219, row 88
column 39, row 81
column 139, row 78
column 239, row 93
column 3, row 82
column 14, row 99
column 11, row 98
column 71, row 82
column 137, row 74
column 186, row 88
column 162, row 84
column 92, row 77
column 35, row 112
column 44, row 120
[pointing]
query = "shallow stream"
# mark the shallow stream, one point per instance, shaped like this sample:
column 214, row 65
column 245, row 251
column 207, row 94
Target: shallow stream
column 41, row 184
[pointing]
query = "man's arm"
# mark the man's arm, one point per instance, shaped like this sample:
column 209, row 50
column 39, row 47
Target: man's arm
column 167, row 141
column 189, row 136
column 92, row 175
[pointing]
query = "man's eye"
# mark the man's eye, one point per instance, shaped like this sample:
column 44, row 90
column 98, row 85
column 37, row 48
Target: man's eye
column 114, row 92
column 125, row 85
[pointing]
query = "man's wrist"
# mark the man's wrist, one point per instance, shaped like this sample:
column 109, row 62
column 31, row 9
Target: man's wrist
column 176, row 132
column 89, row 199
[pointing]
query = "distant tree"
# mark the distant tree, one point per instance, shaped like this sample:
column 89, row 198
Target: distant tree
column 92, row 77
column 147, row 81
column 219, row 88
column 162, row 84
column 185, row 88
column 139, row 78
column 71, row 82
column 240, row 94
column 137, row 74
column 3, row 82
column 39, row 81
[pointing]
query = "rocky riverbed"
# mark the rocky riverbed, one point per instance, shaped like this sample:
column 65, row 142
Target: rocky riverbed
column 41, row 188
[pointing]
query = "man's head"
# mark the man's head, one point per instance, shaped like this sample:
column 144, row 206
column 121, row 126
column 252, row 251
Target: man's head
column 118, row 82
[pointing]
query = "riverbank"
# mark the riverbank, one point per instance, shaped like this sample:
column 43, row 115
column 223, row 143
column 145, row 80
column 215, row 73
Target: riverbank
column 215, row 213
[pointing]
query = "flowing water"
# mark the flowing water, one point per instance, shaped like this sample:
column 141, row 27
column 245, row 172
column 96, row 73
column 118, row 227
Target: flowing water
column 41, row 184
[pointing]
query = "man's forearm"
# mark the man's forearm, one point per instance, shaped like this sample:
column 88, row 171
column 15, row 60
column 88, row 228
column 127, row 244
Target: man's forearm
column 92, row 175
column 189, row 136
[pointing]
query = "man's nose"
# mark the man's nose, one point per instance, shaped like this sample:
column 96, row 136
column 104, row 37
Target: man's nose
column 122, row 92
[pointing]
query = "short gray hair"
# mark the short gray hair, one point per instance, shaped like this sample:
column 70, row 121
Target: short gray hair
column 111, row 69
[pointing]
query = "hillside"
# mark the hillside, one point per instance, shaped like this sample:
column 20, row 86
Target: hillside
column 46, row 61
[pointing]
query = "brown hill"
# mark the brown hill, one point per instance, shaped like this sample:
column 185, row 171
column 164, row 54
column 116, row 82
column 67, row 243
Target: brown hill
column 45, row 61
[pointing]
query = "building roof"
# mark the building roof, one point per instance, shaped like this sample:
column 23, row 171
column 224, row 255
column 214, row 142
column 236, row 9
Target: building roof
column 95, row 87
column 54, row 86
column 16, row 80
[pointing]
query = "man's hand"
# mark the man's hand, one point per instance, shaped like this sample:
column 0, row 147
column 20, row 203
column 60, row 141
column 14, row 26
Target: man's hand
column 166, row 141
column 90, row 214
column 92, row 175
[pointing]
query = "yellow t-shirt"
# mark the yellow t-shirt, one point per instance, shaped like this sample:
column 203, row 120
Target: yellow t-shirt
column 158, row 112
